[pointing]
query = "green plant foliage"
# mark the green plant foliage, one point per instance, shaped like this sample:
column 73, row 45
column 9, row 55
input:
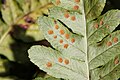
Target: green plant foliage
column 23, row 18
column 85, row 45
column 18, row 28
column 19, row 21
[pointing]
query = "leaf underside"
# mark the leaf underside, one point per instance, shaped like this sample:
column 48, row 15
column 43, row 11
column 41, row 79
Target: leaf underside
column 84, row 43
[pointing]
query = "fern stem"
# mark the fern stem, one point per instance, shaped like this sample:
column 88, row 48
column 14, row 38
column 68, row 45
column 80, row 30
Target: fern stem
column 5, row 34
column 85, row 37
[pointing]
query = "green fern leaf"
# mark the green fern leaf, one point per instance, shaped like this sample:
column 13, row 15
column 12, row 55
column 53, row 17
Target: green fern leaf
column 85, row 45
column 17, row 22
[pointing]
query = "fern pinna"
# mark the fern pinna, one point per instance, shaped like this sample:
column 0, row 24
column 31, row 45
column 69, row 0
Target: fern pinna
column 84, row 43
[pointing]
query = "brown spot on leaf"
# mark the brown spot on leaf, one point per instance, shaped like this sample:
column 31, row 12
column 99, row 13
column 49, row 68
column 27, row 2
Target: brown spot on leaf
column 66, row 61
column 72, row 40
column 66, row 45
column 96, row 25
column 77, row 1
column 66, row 15
column 73, row 18
column 50, row 32
column 115, row 39
column 55, row 36
column 49, row 64
column 55, row 21
column 101, row 22
column 76, row 7
column 60, row 60
column 62, row 32
column 61, row 41
column 56, row 26
column 67, row 36
column 109, row 43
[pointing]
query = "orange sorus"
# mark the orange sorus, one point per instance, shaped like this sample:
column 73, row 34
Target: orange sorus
column 62, row 32
column 77, row 1
column 73, row 18
column 67, row 36
column 72, row 40
column 101, row 22
column 66, row 45
column 61, row 41
column 96, row 25
column 66, row 15
column 115, row 39
column 56, row 26
column 55, row 36
column 60, row 60
column 66, row 61
column 50, row 32
column 49, row 64
column 76, row 7
column 109, row 43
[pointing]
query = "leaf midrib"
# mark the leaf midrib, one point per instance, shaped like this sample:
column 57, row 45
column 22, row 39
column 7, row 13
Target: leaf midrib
column 86, row 42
